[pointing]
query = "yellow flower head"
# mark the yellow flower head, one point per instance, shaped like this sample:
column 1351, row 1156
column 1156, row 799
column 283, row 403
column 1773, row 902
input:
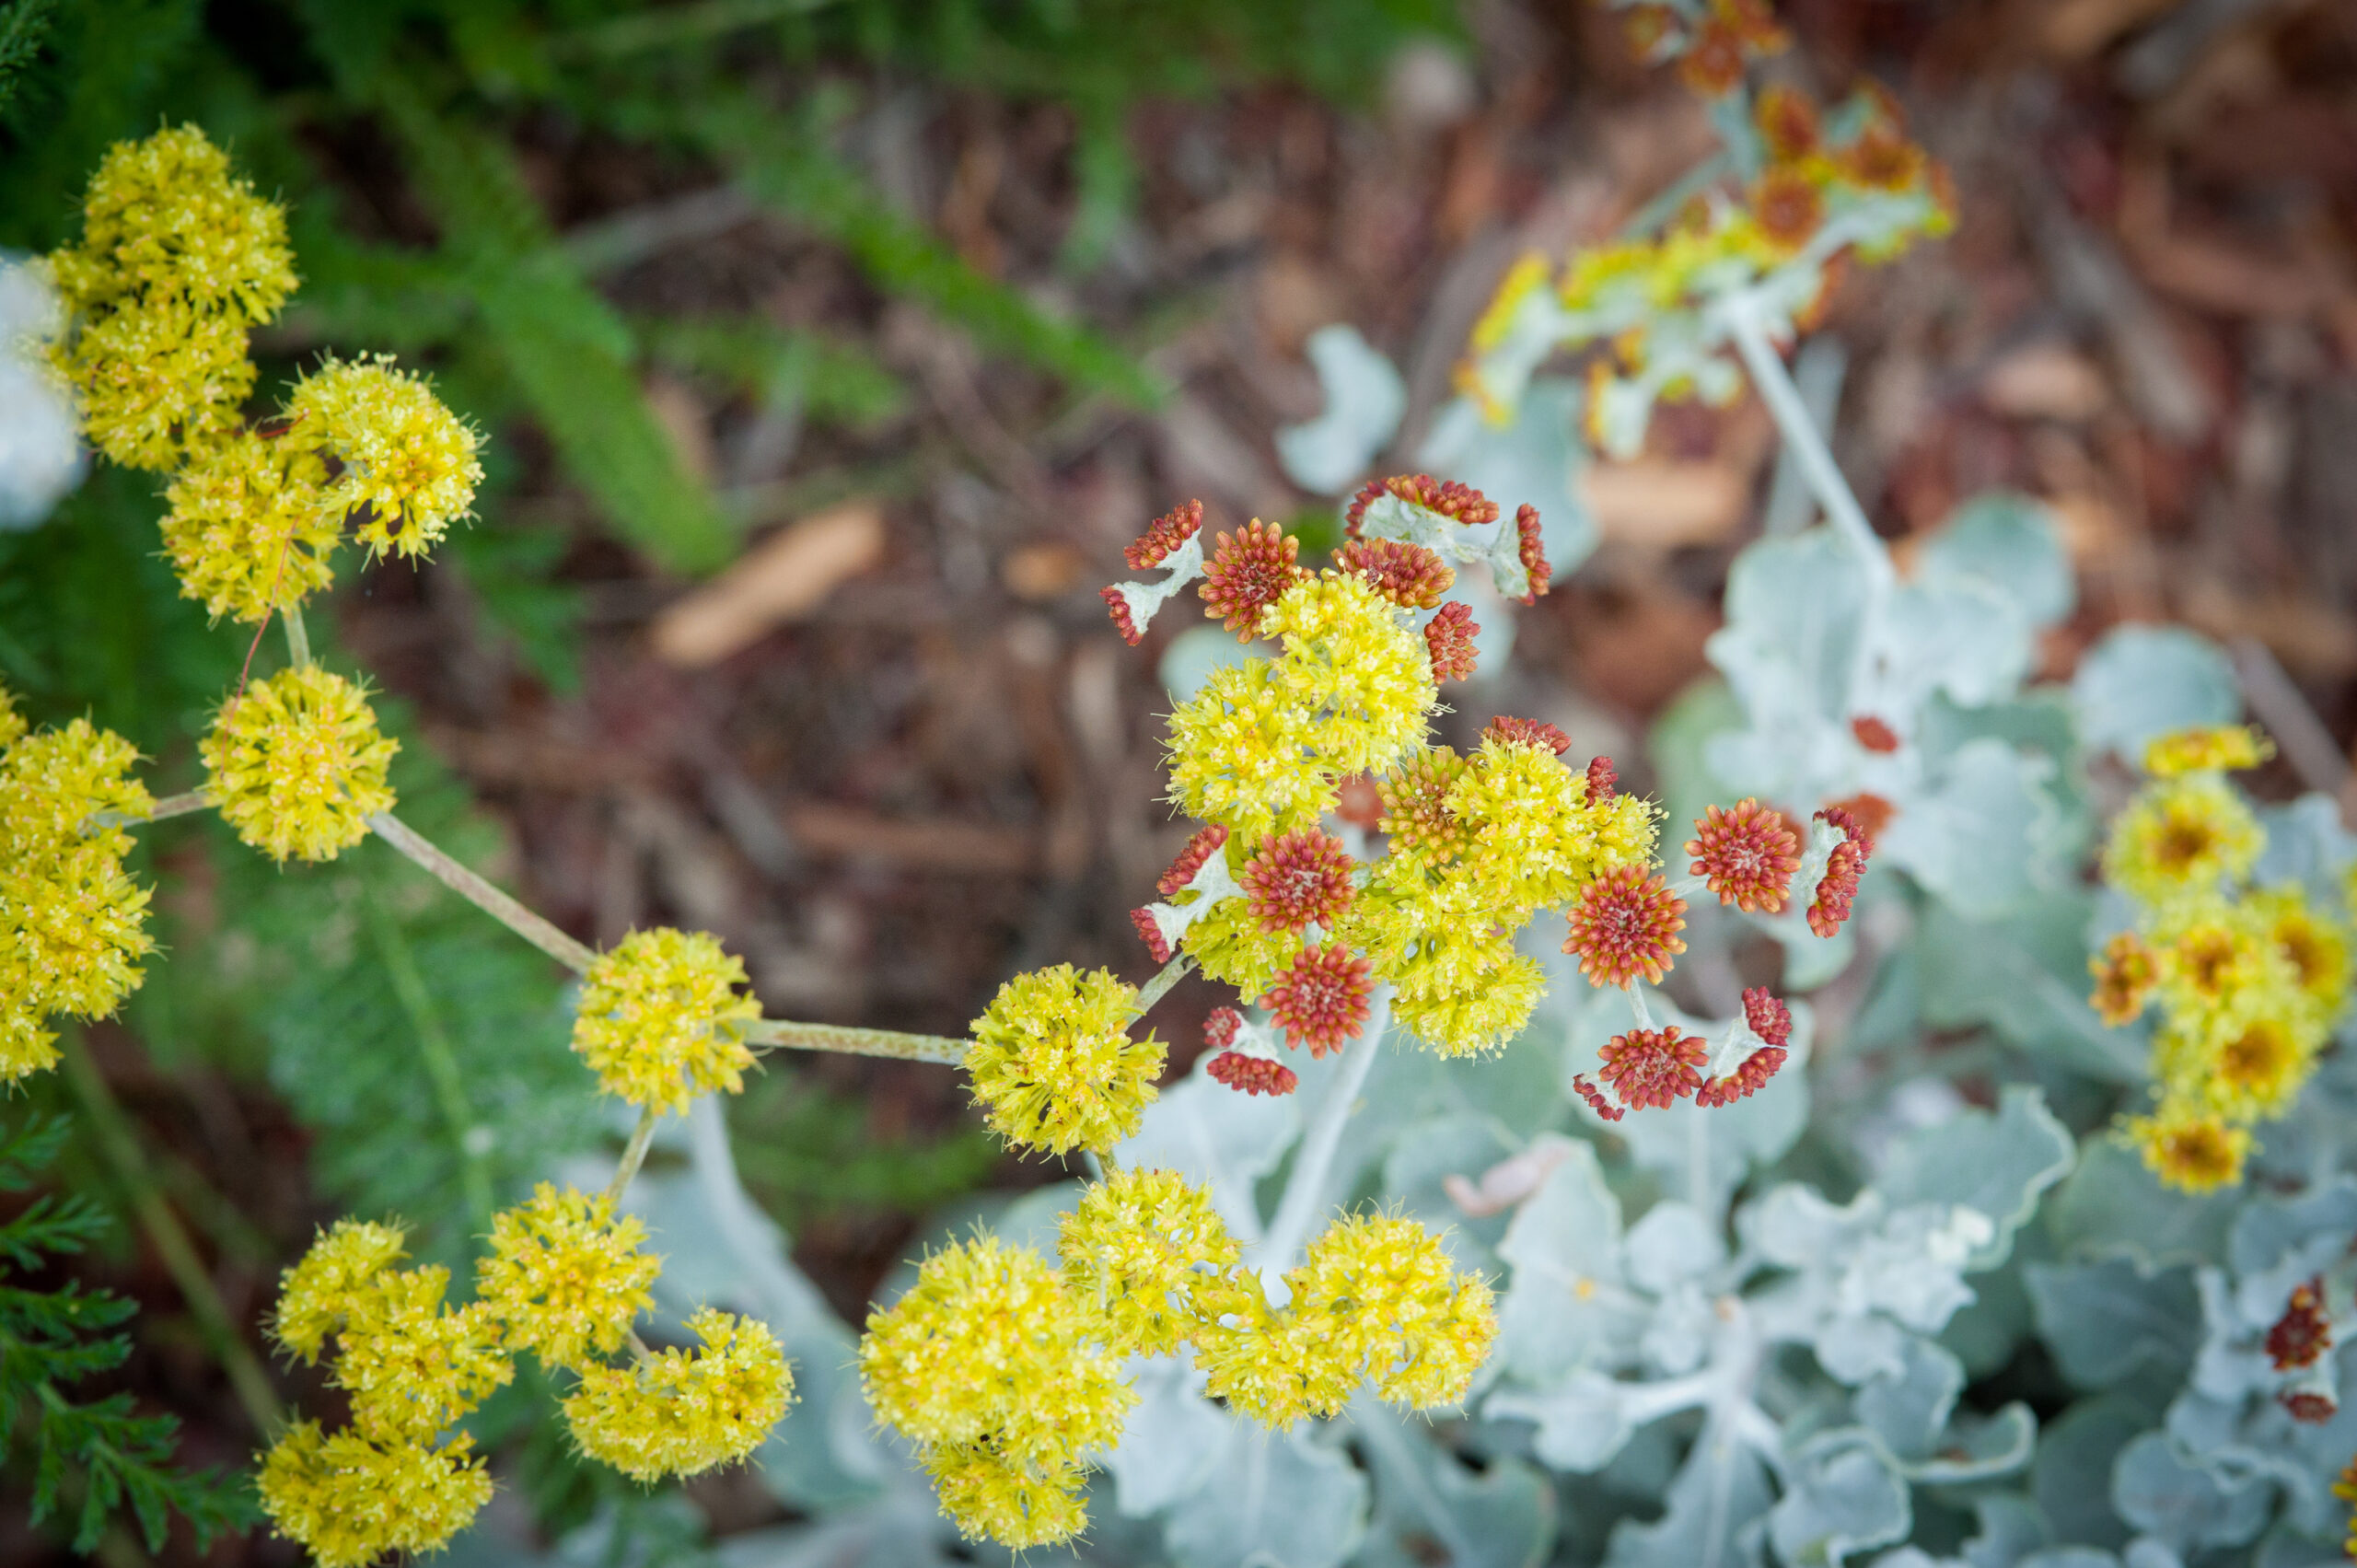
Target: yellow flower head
column 2216, row 957
column 164, row 218
column 296, row 765
column 1364, row 679
column 157, row 380
column 682, row 1412
column 1239, row 755
column 1481, row 1012
column 2125, row 972
column 410, row 466
column 51, row 783
column 1416, row 815
column 2206, row 750
column 249, row 529
column 2181, row 836
column 988, row 1346
column 2254, row 1067
column 1053, row 1063
column 411, row 1366
column 318, row 1295
column 1136, row 1246
column 2189, row 1149
column 348, row 1501
column 1382, row 1288
column 73, row 928
column 1536, row 839
column 661, row 1020
column 1461, row 988
column 565, row 1276
column 2313, row 943
column 25, row 1047
column 1019, row 1505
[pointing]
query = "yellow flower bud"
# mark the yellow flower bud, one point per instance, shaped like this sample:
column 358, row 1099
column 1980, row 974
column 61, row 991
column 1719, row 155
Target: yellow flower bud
column 296, row 764
column 661, row 1020
column 1053, row 1065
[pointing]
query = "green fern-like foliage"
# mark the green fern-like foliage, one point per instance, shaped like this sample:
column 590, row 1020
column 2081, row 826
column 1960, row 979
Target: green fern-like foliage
column 92, row 1458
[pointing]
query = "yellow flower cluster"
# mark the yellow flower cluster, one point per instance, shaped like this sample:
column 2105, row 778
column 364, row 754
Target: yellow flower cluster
column 178, row 260
column 1376, row 1298
column 683, row 1413
column 73, row 924
column 1006, row 1373
column 1870, row 193
column 1053, row 1065
column 997, row 1372
column 1261, row 747
column 661, row 1020
column 2248, row 982
column 295, row 764
column 564, row 1280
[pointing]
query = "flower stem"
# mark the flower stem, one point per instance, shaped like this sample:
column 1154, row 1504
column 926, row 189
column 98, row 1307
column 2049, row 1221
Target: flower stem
column 120, row 1147
column 481, row 894
column 633, row 1156
column 845, row 1038
column 1160, row 986
column 1304, row 1190
column 1803, row 438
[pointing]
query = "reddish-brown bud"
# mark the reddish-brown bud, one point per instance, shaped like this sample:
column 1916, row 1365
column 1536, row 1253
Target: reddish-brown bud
column 1249, row 572
column 1151, row 934
column 1448, row 637
column 1653, row 1067
column 1321, row 999
column 1527, row 732
column 1626, row 925
column 1252, row 1074
column 1207, row 842
column 1408, row 575
column 1169, row 531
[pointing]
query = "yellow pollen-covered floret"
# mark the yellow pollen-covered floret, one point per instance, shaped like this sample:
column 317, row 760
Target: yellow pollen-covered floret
column 661, row 1020
column 682, row 1412
column 1240, row 755
column 54, row 782
column 318, row 1294
column 164, row 218
column 2313, row 943
column 296, row 764
column 566, row 1277
column 249, row 528
column 409, row 463
column 1440, row 940
column 991, row 1497
column 1053, row 1065
column 349, row 1500
column 2189, row 1148
column 156, row 381
column 1534, row 838
column 1353, row 666
column 989, row 1346
column 1135, row 1247
column 1229, row 947
column 2206, row 750
column 2181, row 837
column 411, row 1365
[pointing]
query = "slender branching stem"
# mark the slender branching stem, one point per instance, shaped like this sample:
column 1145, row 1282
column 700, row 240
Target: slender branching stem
column 119, row 1144
column 633, row 1155
column 849, row 1040
column 1803, row 438
column 481, row 894
column 1160, row 986
column 1305, row 1189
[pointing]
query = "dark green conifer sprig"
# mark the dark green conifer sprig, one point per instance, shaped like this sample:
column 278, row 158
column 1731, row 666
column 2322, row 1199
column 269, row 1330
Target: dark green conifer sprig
column 92, row 1458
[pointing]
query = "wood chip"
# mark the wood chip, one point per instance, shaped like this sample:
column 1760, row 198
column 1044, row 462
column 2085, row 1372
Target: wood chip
column 1661, row 504
column 780, row 580
column 936, row 846
column 2046, row 381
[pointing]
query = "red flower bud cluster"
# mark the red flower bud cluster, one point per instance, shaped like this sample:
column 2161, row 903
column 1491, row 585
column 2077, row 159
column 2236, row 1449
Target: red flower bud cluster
column 1653, row 1067
column 1252, row 1074
column 1626, row 925
column 1601, row 780
column 1408, row 575
column 1530, row 732
column 1746, row 856
column 2304, row 1332
column 1169, row 531
column 1768, row 1016
column 1207, row 842
column 1249, row 572
column 1839, row 886
column 1321, row 1000
column 1118, row 603
column 1460, row 503
column 1597, row 1101
column 1449, row 637
column 1297, row 879
column 1749, row 1078
column 1220, row 1028
column 1151, row 934
column 1533, row 550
